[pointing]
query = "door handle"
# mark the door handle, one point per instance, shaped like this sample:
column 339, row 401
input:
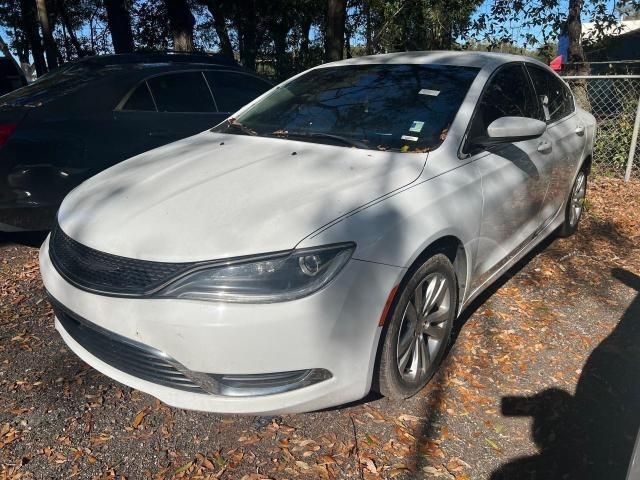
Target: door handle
column 544, row 147
column 579, row 130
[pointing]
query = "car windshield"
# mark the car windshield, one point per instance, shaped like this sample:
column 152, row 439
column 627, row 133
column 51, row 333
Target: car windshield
column 406, row 108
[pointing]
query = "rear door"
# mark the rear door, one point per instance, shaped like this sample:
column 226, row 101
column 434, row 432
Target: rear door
column 185, row 106
column 566, row 132
column 165, row 108
column 514, row 175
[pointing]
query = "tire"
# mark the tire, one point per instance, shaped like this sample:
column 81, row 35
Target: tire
column 402, row 371
column 575, row 205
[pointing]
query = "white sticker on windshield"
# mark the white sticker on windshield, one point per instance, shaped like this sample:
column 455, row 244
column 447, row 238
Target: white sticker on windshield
column 426, row 91
column 416, row 127
column 410, row 138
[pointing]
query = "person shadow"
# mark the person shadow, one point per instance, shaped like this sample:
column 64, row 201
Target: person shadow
column 591, row 434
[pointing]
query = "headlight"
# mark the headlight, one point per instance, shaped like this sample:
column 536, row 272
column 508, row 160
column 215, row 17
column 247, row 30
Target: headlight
column 269, row 278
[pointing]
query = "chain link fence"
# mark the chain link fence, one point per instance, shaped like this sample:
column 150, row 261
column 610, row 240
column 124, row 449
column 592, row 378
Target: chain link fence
column 615, row 102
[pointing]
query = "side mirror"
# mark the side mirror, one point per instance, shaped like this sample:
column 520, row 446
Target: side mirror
column 510, row 130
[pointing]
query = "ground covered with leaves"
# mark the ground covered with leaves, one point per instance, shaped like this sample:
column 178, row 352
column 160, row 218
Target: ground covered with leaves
column 541, row 383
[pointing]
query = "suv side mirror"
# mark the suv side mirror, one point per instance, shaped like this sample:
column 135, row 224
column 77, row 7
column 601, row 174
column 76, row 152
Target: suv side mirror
column 510, row 130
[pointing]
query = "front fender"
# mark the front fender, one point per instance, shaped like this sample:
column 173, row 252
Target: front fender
column 398, row 229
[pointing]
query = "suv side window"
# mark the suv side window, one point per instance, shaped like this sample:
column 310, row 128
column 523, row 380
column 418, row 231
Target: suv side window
column 507, row 94
column 181, row 92
column 140, row 100
column 559, row 98
column 233, row 90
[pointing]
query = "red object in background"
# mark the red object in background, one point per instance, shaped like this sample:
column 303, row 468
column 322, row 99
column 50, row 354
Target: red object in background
column 6, row 130
column 556, row 64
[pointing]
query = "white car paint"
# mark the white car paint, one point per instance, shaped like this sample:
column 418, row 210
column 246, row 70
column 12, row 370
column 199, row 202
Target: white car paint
column 215, row 196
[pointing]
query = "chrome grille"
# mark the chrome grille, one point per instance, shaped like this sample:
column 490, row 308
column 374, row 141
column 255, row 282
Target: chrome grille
column 102, row 272
column 123, row 354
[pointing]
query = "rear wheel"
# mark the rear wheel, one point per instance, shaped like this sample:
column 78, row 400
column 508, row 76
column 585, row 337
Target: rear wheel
column 418, row 329
column 575, row 205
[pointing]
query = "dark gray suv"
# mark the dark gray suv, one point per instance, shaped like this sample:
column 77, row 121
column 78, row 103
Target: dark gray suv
column 90, row 114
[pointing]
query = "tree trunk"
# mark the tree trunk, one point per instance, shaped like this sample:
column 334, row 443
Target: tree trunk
column 69, row 30
column 576, row 60
column 29, row 15
column 367, row 15
column 574, row 32
column 334, row 32
column 304, row 43
column 119, row 21
column 221, row 27
column 246, row 25
column 47, row 35
column 279, row 33
column 181, row 22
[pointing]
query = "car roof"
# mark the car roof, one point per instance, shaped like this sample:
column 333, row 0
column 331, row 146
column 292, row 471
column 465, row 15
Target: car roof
column 487, row 60
column 159, row 58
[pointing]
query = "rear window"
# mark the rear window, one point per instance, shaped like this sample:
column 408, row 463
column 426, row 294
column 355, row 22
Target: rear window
column 11, row 77
column 233, row 90
column 57, row 83
column 559, row 98
column 181, row 92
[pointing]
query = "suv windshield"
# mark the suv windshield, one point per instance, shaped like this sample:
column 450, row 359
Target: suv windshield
column 405, row 108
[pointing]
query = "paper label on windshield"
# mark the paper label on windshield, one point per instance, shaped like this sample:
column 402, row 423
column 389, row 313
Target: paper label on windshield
column 410, row 138
column 426, row 91
column 416, row 127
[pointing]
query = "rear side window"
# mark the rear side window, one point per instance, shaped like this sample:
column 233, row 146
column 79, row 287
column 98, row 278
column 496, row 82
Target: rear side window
column 559, row 98
column 140, row 100
column 234, row 90
column 508, row 94
column 181, row 92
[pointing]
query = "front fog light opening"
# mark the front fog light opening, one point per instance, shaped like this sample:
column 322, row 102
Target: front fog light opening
column 262, row 384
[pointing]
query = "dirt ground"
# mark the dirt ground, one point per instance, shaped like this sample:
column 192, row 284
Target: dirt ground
column 542, row 382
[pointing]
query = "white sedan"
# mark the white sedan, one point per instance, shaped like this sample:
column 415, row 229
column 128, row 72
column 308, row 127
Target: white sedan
column 322, row 241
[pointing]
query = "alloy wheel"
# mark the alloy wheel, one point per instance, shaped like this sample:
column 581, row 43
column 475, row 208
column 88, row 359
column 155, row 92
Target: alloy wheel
column 577, row 199
column 423, row 328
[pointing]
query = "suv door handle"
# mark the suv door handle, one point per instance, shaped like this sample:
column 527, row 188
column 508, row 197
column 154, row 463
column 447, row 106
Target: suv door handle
column 544, row 147
column 579, row 130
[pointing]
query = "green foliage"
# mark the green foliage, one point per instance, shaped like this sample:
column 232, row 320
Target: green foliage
column 504, row 19
column 282, row 37
column 615, row 130
column 613, row 140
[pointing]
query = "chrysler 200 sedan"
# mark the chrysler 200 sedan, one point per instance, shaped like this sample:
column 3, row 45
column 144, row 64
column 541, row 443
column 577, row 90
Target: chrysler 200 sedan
column 321, row 241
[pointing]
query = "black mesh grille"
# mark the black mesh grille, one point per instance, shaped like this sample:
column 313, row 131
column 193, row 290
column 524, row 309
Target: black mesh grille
column 102, row 272
column 123, row 354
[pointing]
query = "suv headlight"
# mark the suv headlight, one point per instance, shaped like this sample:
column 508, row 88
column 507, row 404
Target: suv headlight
column 264, row 279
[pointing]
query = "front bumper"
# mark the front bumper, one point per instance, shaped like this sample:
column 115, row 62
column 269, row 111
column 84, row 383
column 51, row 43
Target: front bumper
column 335, row 330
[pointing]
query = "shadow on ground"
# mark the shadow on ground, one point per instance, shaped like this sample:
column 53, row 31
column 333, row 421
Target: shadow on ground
column 590, row 434
column 27, row 239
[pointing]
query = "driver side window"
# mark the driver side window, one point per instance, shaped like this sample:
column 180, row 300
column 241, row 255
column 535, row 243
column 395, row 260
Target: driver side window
column 508, row 93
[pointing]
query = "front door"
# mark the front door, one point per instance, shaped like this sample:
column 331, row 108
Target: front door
column 566, row 132
column 515, row 176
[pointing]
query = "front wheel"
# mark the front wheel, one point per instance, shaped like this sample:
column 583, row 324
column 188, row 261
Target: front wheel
column 418, row 330
column 575, row 205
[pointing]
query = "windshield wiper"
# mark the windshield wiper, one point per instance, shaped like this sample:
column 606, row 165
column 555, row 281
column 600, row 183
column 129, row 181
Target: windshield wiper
column 329, row 136
column 232, row 122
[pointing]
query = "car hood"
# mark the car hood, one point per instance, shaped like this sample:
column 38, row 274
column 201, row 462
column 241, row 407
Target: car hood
column 215, row 196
